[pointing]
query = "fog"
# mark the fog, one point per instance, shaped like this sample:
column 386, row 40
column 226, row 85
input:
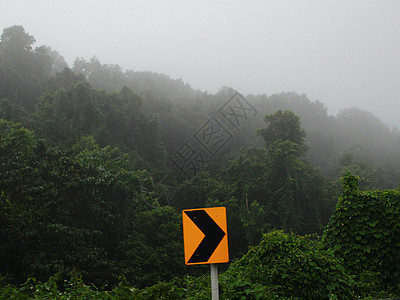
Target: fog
column 343, row 53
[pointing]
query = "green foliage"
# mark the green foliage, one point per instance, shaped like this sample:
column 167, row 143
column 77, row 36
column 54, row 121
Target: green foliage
column 84, row 198
column 116, row 119
column 153, row 250
column 65, row 115
column 289, row 266
column 106, row 77
column 293, row 194
column 59, row 288
column 73, row 287
column 23, row 70
column 265, row 188
column 282, row 266
column 72, row 211
column 364, row 231
column 352, row 131
column 369, row 172
column 283, row 126
column 11, row 111
column 15, row 38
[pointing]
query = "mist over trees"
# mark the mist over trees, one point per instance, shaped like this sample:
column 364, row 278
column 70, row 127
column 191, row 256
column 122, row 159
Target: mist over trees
column 87, row 184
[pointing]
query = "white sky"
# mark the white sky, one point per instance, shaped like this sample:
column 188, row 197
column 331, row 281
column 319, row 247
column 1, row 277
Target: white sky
column 343, row 53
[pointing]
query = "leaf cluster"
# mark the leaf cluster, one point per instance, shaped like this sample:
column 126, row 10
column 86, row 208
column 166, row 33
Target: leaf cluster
column 292, row 266
column 364, row 231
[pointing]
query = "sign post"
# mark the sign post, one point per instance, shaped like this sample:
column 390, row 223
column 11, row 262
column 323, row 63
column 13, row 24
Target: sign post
column 214, row 282
column 205, row 239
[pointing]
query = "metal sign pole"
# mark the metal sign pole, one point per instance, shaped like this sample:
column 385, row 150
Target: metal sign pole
column 214, row 282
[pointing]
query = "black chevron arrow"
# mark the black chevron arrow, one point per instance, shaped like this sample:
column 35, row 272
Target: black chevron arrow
column 213, row 235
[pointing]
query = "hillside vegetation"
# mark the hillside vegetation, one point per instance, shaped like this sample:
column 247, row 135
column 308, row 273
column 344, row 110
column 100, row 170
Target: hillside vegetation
column 97, row 162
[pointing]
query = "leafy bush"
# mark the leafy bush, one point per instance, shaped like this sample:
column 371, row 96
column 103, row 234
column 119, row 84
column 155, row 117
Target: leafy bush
column 291, row 266
column 74, row 288
column 365, row 232
column 54, row 288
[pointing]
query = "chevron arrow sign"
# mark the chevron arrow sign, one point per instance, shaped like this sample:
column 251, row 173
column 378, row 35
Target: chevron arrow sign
column 205, row 235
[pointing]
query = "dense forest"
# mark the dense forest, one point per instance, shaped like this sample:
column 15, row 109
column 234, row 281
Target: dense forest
column 97, row 162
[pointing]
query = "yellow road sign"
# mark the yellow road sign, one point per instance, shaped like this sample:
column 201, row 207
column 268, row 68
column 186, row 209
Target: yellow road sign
column 205, row 235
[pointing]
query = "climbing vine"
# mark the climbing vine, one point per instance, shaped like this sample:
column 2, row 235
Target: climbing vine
column 365, row 232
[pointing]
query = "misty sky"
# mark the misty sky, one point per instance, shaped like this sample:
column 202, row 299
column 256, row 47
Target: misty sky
column 343, row 53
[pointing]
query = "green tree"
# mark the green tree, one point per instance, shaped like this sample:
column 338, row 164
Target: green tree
column 23, row 70
column 284, row 126
column 296, row 192
column 106, row 77
column 58, row 63
column 14, row 39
